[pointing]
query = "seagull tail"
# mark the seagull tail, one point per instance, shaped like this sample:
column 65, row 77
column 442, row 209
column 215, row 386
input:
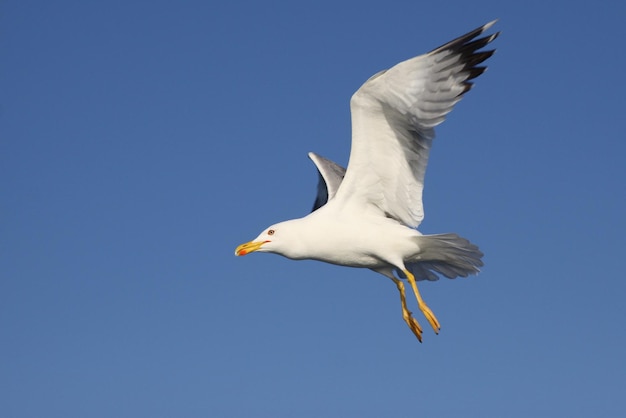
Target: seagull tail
column 449, row 255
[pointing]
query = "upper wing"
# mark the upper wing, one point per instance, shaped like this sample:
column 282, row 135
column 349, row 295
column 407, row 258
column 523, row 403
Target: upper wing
column 330, row 177
column 393, row 118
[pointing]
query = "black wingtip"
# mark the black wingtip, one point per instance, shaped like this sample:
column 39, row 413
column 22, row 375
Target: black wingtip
column 465, row 39
column 467, row 46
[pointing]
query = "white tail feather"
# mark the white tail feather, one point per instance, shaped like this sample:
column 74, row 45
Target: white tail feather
column 447, row 254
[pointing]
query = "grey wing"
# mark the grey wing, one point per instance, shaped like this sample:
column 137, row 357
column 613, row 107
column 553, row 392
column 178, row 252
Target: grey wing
column 330, row 177
column 393, row 118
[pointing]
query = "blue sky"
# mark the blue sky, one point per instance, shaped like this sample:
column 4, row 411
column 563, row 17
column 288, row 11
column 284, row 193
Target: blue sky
column 140, row 142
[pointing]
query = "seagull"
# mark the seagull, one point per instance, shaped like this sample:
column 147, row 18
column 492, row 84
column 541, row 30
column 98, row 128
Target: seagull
column 367, row 215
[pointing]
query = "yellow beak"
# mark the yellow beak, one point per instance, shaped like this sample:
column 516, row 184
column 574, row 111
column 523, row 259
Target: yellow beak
column 249, row 247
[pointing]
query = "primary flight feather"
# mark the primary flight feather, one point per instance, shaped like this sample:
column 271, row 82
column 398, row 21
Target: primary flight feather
column 367, row 215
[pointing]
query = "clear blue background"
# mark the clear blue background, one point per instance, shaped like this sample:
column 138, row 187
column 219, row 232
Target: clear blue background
column 140, row 142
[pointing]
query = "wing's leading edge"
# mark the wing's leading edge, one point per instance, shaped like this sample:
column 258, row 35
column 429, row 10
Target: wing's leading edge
column 330, row 177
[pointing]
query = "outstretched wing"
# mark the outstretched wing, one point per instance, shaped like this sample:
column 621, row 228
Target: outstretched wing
column 330, row 177
column 393, row 118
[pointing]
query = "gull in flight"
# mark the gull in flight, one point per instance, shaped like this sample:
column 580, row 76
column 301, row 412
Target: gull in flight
column 367, row 215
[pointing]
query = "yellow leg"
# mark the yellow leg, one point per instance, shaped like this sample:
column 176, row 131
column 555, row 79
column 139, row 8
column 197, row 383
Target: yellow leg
column 432, row 319
column 406, row 314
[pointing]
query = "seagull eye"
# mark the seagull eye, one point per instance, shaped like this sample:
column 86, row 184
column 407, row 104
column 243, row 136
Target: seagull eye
column 270, row 232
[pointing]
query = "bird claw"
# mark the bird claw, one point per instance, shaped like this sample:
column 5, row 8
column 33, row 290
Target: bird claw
column 430, row 316
column 414, row 326
column 417, row 330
